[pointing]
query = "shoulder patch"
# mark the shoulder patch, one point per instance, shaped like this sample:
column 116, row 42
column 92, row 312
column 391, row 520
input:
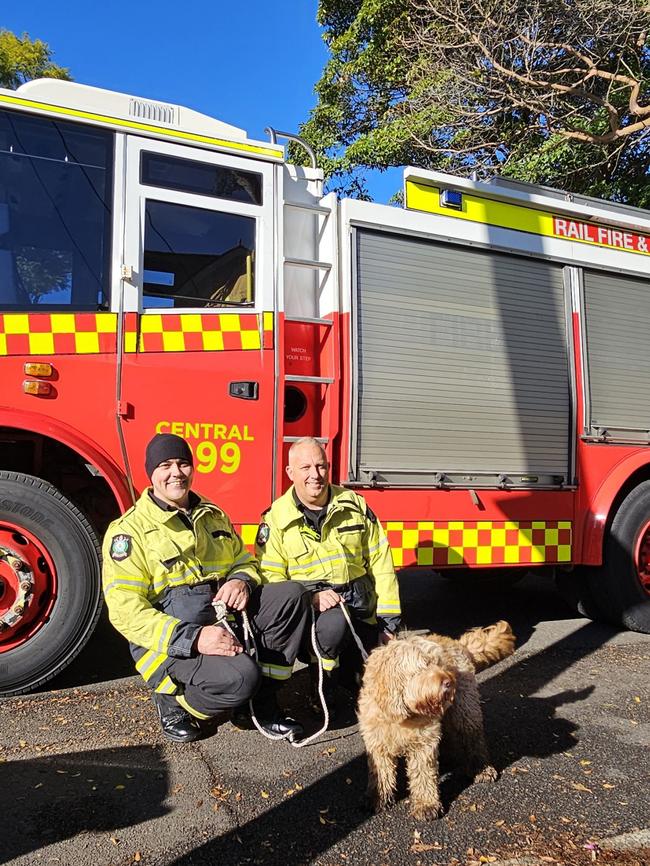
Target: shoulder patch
column 120, row 547
column 263, row 533
column 370, row 514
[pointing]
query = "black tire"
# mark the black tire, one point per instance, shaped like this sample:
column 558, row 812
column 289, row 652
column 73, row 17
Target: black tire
column 575, row 587
column 616, row 583
column 489, row 579
column 62, row 530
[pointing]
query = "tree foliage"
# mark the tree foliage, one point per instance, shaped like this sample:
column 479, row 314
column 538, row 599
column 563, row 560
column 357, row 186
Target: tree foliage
column 548, row 91
column 22, row 59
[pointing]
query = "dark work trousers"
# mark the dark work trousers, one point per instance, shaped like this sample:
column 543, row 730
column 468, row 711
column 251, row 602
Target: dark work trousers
column 334, row 637
column 278, row 614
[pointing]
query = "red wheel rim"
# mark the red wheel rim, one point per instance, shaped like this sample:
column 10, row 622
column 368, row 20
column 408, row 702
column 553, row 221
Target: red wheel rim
column 642, row 558
column 34, row 555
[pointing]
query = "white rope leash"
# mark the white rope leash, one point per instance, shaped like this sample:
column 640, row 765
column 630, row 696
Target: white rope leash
column 221, row 612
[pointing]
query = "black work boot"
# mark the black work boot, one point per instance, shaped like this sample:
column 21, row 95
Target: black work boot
column 330, row 682
column 269, row 715
column 177, row 724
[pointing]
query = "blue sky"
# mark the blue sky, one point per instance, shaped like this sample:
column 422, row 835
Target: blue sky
column 251, row 63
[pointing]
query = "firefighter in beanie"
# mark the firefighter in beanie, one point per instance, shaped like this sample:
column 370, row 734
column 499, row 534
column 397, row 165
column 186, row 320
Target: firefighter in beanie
column 165, row 561
column 327, row 539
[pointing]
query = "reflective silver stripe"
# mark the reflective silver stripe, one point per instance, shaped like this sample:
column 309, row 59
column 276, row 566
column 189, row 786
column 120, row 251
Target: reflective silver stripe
column 166, row 633
column 130, row 583
column 388, row 608
column 381, row 543
column 269, row 563
column 312, row 562
column 275, row 672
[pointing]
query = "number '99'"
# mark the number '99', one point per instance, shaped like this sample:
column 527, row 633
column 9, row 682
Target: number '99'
column 210, row 456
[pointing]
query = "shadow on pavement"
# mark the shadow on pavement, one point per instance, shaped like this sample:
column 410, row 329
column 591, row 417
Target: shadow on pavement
column 296, row 830
column 51, row 799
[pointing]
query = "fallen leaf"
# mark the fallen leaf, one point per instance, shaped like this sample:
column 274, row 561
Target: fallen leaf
column 115, row 841
column 473, row 807
column 637, row 699
column 532, row 818
column 264, row 795
column 580, row 787
column 137, row 857
column 585, row 763
column 487, row 858
column 119, row 787
column 22, row 743
column 499, row 823
column 608, row 786
column 329, row 751
column 419, row 847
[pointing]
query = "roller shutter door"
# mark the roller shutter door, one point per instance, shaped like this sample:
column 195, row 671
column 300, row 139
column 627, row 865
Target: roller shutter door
column 462, row 364
column 617, row 325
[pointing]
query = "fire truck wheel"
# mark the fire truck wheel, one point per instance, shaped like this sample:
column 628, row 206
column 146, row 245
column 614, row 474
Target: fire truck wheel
column 50, row 589
column 485, row 578
column 575, row 587
column 623, row 580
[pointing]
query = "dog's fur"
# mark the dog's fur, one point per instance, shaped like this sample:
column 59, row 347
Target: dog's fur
column 408, row 686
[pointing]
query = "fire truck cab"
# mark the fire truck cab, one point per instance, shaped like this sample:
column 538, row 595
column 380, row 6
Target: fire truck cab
column 475, row 362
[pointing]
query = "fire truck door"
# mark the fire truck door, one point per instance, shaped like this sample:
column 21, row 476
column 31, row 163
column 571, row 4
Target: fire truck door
column 198, row 357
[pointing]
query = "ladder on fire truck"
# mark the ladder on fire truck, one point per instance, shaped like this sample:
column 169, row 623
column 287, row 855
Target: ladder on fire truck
column 311, row 306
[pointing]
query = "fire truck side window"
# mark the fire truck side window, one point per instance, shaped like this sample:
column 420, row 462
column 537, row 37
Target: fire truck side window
column 197, row 258
column 55, row 214
column 201, row 178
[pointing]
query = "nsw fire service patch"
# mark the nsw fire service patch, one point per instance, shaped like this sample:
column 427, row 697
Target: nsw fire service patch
column 120, row 547
column 263, row 533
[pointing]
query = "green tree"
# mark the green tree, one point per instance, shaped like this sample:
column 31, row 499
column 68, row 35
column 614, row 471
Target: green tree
column 548, row 91
column 22, row 59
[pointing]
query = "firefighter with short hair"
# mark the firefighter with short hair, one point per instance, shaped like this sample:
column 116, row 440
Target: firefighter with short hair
column 327, row 539
column 165, row 561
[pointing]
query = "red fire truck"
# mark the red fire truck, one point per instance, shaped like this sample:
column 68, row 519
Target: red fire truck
column 476, row 362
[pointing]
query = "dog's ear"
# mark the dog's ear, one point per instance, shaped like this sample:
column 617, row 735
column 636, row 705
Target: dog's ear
column 388, row 671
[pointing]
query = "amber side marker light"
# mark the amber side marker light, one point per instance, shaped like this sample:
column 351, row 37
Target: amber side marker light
column 38, row 389
column 33, row 369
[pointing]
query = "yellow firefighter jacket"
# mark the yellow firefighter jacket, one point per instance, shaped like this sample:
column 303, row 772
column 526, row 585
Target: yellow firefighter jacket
column 351, row 546
column 157, row 576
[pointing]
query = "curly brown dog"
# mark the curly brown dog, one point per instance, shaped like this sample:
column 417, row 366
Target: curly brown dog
column 408, row 686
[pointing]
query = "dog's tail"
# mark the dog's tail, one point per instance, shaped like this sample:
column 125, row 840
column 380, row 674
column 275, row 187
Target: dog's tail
column 489, row 645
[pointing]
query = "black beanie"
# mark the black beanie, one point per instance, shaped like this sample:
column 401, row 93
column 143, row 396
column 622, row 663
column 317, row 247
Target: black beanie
column 166, row 446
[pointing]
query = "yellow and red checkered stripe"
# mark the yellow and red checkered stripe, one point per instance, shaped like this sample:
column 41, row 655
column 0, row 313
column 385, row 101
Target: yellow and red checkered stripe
column 465, row 542
column 94, row 333
column 480, row 543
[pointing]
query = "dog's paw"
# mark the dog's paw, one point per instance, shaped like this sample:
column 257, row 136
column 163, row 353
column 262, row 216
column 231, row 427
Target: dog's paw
column 426, row 812
column 487, row 774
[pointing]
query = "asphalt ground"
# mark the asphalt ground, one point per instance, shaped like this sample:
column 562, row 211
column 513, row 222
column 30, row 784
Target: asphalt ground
column 86, row 778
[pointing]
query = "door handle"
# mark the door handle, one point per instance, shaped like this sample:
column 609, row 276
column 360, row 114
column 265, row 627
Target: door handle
column 244, row 390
